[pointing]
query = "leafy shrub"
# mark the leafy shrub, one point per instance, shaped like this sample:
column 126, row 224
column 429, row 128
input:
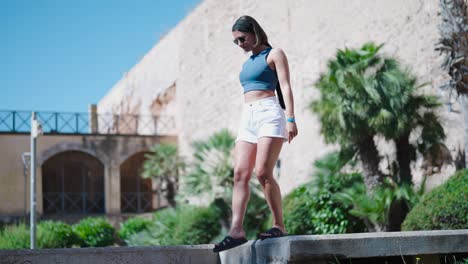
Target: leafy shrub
column 55, row 234
column 132, row 226
column 160, row 231
column 94, row 232
column 311, row 208
column 177, row 226
column 444, row 207
column 196, row 225
column 307, row 212
column 14, row 237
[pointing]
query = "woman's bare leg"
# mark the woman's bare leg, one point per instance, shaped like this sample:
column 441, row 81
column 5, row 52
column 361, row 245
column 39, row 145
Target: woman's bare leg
column 244, row 161
column 268, row 150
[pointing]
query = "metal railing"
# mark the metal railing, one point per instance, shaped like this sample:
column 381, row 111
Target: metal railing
column 73, row 202
column 87, row 123
column 136, row 202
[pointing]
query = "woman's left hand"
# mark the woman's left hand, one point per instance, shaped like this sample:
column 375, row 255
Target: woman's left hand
column 292, row 130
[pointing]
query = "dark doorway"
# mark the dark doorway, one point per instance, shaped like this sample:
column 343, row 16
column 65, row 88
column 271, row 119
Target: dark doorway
column 73, row 183
column 136, row 192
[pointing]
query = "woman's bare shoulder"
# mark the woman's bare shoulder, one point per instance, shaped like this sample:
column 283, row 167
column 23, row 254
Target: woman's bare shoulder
column 278, row 53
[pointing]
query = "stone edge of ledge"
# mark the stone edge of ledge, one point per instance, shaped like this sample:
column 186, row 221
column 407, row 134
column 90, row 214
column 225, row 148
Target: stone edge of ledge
column 205, row 247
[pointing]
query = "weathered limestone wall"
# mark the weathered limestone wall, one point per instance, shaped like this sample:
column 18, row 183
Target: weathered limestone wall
column 149, row 78
column 209, row 95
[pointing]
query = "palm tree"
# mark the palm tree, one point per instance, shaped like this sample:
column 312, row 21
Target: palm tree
column 363, row 95
column 212, row 170
column 454, row 44
column 164, row 165
column 401, row 112
column 344, row 111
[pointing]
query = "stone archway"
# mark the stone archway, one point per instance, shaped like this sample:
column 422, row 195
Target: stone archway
column 64, row 147
column 73, row 183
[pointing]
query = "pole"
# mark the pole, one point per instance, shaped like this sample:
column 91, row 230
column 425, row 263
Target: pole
column 32, row 211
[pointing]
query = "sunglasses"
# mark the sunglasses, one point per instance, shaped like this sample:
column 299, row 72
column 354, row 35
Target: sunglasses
column 239, row 39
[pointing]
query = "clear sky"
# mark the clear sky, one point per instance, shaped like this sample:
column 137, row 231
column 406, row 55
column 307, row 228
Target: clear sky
column 62, row 55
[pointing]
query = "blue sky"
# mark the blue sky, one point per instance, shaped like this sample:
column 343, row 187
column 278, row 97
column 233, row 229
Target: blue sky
column 62, row 55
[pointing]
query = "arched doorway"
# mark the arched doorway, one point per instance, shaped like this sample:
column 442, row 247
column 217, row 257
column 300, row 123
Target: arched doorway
column 137, row 195
column 73, row 183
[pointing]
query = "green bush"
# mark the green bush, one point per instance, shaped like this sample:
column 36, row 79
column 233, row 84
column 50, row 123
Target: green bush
column 94, row 232
column 196, row 225
column 14, row 237
column 308, row 212
column 182, row 225
column 444, row 207
column 159, row 232
column 55, row 234
column 132, row 226
column 312, row 209
column 297, row 210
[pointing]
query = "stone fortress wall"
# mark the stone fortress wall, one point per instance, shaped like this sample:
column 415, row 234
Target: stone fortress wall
column 192, row 72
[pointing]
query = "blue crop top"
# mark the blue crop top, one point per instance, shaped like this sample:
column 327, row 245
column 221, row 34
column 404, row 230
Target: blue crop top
column 256, row 74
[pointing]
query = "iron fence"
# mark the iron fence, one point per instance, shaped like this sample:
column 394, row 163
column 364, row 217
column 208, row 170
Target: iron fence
column 87, row 123
column 73, row 202
column 136, row 202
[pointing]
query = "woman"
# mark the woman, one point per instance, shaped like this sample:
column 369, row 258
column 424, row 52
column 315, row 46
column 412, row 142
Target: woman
column 263, row 129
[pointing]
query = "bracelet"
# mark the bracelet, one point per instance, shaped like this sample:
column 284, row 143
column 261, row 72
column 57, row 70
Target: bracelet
column 291, row 119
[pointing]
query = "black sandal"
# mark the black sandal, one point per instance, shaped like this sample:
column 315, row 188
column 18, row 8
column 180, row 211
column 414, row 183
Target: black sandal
column 228, row 243
column 271, row 233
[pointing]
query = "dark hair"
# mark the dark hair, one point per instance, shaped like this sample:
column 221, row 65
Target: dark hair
column 250, row 25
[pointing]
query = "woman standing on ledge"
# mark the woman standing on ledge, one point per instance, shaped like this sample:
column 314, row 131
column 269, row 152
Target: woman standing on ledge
column 263, row 129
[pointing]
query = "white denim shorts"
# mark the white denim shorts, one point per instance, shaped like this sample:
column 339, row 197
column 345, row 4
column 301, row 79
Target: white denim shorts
column 262, row 118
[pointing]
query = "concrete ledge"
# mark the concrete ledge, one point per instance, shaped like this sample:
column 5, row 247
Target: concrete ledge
column 293, row 249
column 300, row 249
column 200, row 254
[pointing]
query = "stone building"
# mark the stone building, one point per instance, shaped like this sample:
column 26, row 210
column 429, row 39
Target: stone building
column 86, row 164
column 192, row 72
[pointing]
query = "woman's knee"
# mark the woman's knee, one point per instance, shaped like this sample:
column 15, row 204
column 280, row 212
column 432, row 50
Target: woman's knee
column 242, row 175
column 263, row 174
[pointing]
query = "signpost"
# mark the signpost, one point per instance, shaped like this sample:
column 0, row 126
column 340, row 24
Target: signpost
column 36, row 130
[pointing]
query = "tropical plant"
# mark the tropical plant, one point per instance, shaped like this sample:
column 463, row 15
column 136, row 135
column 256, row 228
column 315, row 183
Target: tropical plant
column 164, row 165
column 453, row 44
column 364, row 94
column 212, row 170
